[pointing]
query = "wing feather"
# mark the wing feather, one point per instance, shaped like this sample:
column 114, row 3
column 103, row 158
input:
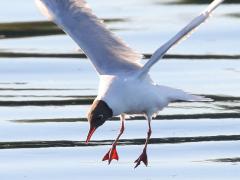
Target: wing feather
column 181, row 35
column 108, row 53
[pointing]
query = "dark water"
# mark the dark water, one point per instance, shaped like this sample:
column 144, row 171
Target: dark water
column 47, row 86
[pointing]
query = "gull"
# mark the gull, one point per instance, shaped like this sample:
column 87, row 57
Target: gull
column 126, row 87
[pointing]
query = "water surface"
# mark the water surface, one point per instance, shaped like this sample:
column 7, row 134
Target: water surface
column 44, row 98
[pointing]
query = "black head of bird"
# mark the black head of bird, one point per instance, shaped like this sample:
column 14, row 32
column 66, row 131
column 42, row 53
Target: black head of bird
column 97, row 116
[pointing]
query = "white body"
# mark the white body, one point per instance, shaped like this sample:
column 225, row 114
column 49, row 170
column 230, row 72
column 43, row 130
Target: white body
column 128, row 95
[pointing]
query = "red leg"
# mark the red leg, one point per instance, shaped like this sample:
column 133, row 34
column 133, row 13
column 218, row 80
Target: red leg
column 112, row 153
column 143, row 157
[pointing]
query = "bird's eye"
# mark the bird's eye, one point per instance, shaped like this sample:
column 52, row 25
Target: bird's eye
column 100, row 116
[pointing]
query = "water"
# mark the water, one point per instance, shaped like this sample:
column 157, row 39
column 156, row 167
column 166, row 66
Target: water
column 44, row 101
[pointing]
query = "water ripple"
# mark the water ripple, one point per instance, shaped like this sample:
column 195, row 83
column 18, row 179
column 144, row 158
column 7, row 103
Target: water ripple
column 63, row 143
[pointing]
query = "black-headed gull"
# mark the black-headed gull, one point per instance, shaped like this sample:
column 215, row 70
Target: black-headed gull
column 125, row 84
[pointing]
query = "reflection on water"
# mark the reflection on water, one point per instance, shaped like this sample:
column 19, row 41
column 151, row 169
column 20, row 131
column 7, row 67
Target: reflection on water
column 38, row 28
column 227, row 160
column 9, row 54
column 143, row 31
column 122, row 142
column 205, row 1
column 235, row 15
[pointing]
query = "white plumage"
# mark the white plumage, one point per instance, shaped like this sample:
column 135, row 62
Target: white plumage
column 108, row 53
column 125, row 94
column 125, row 85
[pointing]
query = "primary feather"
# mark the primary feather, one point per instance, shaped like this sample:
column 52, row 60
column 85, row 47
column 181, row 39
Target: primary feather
column 181, row 35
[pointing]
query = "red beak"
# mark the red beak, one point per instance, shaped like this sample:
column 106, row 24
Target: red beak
column 90, row 133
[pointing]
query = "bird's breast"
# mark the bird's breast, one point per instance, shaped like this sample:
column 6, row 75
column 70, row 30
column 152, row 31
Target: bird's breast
column 131, row 96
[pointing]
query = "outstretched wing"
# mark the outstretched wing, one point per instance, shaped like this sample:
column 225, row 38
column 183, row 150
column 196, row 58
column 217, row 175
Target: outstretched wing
column 108, row 53
column 186, row 31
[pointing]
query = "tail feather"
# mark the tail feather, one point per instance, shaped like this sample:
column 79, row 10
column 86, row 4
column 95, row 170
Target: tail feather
column 180, row 95
column 191, row 97
column 183, row 96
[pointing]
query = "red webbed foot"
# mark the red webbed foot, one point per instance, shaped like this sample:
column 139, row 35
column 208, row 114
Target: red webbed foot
column 142, row 158
column 111, row 154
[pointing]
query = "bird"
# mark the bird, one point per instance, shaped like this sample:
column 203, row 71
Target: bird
column 126, row 87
